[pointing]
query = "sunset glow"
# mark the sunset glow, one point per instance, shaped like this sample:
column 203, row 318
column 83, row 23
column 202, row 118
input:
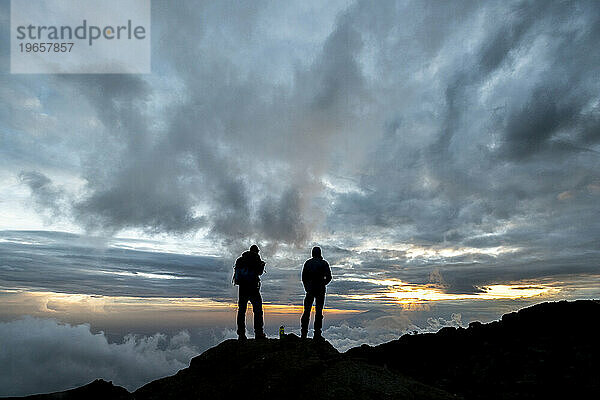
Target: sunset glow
column 402, row 292
column 50, row 303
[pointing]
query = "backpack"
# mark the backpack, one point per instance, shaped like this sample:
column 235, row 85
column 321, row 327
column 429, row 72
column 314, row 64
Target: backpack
column 243, row 274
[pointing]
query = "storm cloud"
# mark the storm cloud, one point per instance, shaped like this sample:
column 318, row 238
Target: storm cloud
column 417, row 121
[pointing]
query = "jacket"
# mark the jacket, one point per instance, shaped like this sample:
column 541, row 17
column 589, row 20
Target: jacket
column 316, row 274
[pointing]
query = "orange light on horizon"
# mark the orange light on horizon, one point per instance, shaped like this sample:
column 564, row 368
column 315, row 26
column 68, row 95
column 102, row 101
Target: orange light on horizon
column 51, row 304
column 403, row 292
column 290, row 309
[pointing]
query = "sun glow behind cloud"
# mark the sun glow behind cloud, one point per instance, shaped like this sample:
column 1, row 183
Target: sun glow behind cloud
column 403, row 292
column 60, row 305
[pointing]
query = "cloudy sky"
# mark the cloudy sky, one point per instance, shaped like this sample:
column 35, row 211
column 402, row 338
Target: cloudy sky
column 445, row 155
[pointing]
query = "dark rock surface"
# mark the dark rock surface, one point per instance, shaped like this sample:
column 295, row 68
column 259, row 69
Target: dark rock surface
column 284, row 369
column 550, row 350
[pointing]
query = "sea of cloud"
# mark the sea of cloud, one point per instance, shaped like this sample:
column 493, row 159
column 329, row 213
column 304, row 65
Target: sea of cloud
column 43, row 355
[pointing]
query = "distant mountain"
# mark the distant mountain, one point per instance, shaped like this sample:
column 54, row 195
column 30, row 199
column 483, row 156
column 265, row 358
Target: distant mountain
column 97, row 390
column 545, row 351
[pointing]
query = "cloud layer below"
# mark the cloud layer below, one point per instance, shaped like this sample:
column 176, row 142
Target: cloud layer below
column 42, row 355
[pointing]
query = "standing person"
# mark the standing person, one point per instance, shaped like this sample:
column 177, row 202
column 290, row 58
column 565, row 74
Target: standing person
column 316, row 274
column 248, row 267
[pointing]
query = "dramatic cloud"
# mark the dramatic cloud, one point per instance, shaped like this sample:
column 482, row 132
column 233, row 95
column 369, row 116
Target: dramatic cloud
column 67, row 263
column 391, row 121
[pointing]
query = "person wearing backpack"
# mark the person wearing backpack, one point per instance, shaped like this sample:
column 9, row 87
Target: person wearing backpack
column 316, row 274
column 248, row 267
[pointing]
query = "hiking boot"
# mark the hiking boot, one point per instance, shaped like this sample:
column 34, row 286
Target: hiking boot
column 318, row 337
column 260, row 336
column 302, row 335
column 242, row 337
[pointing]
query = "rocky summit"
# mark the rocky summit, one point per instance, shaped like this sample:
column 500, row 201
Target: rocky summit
column 545, row 351
column 288, row 368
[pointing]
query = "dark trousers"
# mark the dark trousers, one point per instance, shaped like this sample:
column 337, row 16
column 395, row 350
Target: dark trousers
column 319, row 299
column 251, row 294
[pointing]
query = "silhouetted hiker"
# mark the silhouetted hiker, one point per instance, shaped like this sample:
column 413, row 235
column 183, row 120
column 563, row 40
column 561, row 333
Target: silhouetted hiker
column 248, row 267
column 316, row 274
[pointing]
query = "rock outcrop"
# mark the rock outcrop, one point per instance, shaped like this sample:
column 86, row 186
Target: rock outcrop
column 289, row 368
column 550, row 350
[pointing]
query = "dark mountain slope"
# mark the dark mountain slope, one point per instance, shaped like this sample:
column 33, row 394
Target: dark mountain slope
column 286, row 369
column 549, row 350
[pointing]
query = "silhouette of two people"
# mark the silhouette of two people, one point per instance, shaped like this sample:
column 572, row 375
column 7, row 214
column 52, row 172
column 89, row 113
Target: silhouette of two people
column 316, row 274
